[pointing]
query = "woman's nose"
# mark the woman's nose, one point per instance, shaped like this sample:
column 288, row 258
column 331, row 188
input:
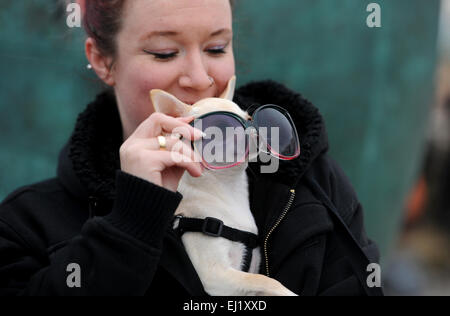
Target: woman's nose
column 195, row 74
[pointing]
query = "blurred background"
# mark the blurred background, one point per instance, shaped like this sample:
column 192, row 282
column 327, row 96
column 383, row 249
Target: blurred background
column 384, row 93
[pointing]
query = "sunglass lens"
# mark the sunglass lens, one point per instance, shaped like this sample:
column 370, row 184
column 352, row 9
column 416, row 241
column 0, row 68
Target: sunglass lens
column 225, row 144
column 279, row 132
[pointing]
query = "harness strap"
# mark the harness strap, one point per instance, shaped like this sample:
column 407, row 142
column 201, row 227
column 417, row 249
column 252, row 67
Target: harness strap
column 214, row 227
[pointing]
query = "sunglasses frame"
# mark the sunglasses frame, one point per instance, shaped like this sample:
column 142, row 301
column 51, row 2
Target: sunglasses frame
column 252, row 123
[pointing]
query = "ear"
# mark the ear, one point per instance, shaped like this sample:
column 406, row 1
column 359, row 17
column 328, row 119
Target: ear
column 166, row 103
column 229, row 91
column 100, row 64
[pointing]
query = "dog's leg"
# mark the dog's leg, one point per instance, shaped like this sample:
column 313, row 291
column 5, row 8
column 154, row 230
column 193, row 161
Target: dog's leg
column 230, row 282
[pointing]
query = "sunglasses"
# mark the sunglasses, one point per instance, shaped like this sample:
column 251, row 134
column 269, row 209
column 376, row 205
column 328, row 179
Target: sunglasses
column 229, row 139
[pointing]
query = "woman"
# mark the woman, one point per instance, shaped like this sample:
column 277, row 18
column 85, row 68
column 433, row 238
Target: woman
column 102, row 226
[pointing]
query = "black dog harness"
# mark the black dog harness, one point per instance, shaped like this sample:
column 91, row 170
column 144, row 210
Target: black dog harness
column 214, row 227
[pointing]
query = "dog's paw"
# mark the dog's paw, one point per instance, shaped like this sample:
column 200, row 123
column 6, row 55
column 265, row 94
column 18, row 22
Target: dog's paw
column 286, row 292
column 278, row 291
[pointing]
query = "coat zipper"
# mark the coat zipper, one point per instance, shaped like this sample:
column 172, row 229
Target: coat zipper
column 283, row 215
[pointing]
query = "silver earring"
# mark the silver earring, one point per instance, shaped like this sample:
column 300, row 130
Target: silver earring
column 89, row 66
column 212, row 80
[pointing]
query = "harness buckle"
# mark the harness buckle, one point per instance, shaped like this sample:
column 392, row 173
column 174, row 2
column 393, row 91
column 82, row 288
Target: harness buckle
column 176, row 221
column 215, row 230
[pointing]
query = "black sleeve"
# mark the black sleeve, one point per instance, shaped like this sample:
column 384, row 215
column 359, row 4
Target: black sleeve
column 357, row 228
column 117, row 254
column 344, row 197
column 344, row 271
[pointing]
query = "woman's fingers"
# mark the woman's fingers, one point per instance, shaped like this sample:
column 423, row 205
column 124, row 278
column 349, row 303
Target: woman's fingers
column 149, row 164
column 173, row 144
column 141, row 154
column 158, row 123
column 168, row 159
column 174, row 158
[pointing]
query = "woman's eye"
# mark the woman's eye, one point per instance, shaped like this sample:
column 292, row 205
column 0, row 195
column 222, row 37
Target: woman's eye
column 217, row 51
column 166, row 56
column 161, row 56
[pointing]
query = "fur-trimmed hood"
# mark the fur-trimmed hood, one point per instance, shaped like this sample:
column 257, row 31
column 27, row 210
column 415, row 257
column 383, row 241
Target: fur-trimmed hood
column 89, row 161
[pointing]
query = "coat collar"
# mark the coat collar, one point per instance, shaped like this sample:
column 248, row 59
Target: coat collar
column 88, row 163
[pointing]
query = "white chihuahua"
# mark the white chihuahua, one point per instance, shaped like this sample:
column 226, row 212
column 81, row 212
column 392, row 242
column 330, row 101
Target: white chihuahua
column 223, row 195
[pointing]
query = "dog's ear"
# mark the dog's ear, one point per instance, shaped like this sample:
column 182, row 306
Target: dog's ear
column 168, row 104
column 229, row 91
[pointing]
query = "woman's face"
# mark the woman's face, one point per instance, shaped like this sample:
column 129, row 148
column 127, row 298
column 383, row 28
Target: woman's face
column 171, row 45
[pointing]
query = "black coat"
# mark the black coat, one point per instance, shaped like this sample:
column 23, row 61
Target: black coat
column 116, row 227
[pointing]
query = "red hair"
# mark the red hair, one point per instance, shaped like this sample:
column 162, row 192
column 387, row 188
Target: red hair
column 102, row 22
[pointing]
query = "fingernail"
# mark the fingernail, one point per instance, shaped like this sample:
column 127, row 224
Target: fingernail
column 198, row 133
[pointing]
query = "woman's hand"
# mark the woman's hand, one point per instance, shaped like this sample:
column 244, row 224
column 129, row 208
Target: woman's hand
column 141, row 156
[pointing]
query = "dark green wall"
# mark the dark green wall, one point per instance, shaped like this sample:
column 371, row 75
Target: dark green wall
column 374, row 86
column 43, row 85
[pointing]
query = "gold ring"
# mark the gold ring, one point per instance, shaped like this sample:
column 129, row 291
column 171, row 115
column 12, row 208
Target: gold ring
column 162, row 142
